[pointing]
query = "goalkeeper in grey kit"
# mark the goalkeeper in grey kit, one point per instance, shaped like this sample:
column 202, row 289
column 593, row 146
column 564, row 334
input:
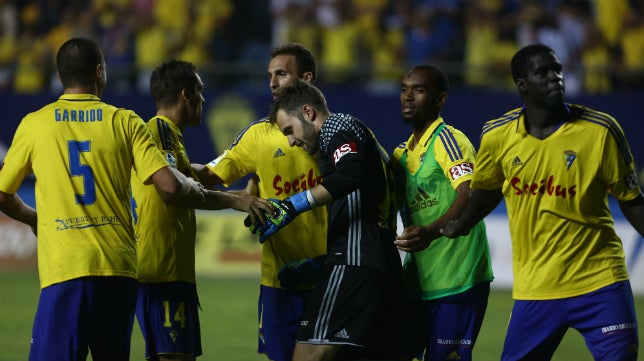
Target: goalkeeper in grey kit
column 352, row 313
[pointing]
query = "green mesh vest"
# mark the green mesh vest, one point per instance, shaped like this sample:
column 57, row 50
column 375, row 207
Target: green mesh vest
column 447, row 266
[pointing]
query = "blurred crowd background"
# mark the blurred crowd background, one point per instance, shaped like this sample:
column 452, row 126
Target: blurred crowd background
column 358, row 43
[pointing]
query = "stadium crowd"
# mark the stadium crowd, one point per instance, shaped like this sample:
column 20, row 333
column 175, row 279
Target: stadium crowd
column 359, row 42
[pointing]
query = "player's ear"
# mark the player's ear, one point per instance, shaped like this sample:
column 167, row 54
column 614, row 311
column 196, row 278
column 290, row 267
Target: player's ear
column 308, row 112
column 185, row 96
column 308, row 77
column 99, row 71
column 442, row 98
column 520, row 84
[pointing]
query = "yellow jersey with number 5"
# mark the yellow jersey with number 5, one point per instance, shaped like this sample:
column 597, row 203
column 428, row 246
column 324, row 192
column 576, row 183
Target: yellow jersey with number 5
column 82, row 152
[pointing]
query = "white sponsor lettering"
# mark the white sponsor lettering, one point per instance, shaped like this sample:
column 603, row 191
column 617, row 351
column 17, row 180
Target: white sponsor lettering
column 343, row 150
column 460, row 170
column 618, row 327
column 441, row 341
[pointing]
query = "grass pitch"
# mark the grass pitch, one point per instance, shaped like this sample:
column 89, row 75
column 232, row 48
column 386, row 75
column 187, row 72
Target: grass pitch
column 229, row 319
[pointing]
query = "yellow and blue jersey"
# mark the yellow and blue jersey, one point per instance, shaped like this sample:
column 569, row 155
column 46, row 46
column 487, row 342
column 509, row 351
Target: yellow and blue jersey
column 165, row 233
column 555, row 189
column 283, row 170
column 82, row 152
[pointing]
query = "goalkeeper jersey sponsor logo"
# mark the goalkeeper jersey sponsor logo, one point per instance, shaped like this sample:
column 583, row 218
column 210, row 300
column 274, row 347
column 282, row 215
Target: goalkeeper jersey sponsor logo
column 343, row 150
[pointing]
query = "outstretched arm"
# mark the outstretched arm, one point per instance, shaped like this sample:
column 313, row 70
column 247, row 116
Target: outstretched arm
column 482, row 202
column 634, row 212
column 416, row 238
column 175, row 188
column 207, row 177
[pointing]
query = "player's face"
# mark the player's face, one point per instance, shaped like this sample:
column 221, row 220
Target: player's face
column 419, row 100
column 282, row 71
column 299, row 131
column 195, row 106
column 544, row 83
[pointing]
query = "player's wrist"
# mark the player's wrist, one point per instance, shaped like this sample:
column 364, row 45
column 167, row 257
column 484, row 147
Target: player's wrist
column 302, row 201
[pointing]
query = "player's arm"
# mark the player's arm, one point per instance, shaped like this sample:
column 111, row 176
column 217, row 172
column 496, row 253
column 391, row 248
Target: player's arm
column 209, row 179
column 634, row 212
column 481, row 203
column 13, row 206
column 416, row 238
column 177, row 189
column 206, row 176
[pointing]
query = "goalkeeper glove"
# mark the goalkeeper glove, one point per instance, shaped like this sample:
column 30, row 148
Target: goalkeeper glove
column 284, row 213
column 301, row 273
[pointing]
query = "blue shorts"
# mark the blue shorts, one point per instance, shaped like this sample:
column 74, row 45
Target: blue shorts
column 280, row 312
column 88, row 313
column 605, row 318
column 445, row 328
column 168, row 314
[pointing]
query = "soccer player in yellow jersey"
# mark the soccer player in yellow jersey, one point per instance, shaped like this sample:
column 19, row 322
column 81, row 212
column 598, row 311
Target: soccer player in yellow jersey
column 555, row 163
column 82, row 152
column 282, row 171
column 167, row 303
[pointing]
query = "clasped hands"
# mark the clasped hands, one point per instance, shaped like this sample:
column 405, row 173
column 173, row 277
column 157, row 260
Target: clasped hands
column 284, row 212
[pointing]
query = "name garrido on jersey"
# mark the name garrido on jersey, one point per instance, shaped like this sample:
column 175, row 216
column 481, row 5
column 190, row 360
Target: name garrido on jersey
column 81, row 116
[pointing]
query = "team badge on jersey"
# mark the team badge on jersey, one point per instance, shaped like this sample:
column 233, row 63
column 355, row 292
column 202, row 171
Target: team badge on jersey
column 343, row 150
column 172, row 160
column 569, row 157
column 278, row 153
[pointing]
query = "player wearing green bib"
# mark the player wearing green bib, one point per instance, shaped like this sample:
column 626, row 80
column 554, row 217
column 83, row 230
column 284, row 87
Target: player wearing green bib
column 446, row 281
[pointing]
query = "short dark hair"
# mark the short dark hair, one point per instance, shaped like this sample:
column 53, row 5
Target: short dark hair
column 303, row 57
column 169, row 78
column 520, row 63
column 440, row 77
column 292, row 98
column 76, row 62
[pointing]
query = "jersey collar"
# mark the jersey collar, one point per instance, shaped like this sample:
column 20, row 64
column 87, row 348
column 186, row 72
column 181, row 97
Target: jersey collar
column 521, row 129
column 427, row 135
column 77, row 97
column 169, row 121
